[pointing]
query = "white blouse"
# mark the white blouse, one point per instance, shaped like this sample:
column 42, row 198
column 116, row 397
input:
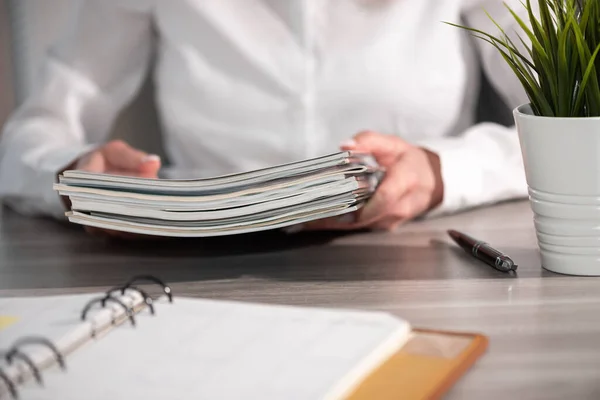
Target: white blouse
column 244, row 84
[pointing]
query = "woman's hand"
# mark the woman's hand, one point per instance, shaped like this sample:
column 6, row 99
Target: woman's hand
column 412, row 185
column 117, row 158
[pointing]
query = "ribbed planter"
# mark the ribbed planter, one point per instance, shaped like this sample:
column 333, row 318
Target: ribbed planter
column 562, row 165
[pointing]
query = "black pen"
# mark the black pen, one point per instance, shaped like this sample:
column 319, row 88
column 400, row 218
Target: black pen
column 483, row 251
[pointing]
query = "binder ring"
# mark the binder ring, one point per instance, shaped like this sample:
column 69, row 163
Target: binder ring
column 9, row 384
column 147, row 299
column 43, row 341
column 103, row 300
column 16, row 353
column 152, row 278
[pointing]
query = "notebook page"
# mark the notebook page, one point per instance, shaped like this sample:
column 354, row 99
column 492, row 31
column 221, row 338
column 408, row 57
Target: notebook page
column 202, row 349
column 56, row 318
column 48, row 316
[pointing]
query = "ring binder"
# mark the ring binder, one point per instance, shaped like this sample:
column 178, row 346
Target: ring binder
column 152, row 278
column 147, row 299
column 16, row 353
column 43, row 341
column 9, row 384
column 103, row 300
column 387, row 357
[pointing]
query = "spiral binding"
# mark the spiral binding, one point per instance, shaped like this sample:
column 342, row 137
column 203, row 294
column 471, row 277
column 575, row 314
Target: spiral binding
column 147, row 299
column 43, row 341
column 9, row 384
column 166, row 289
column 129, row 285
column 15, row 352
column 103, row 300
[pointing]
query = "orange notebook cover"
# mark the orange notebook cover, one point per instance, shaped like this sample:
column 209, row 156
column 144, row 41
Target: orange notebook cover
column 425, row 368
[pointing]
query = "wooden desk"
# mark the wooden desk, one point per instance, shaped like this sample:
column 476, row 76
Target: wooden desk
column 544, row 328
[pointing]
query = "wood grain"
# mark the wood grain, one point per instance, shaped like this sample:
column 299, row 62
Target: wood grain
column 544, row 328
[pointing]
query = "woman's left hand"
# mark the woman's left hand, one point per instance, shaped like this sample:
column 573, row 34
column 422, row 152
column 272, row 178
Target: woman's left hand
column 412, row 185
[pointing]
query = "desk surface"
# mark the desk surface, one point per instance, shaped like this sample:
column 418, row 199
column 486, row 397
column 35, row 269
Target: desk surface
column 544, row 328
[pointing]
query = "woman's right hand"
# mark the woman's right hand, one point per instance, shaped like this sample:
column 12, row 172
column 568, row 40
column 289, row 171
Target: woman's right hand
column 118, row 158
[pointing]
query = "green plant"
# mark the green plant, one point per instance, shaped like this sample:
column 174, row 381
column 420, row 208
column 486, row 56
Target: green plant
column 560, row 67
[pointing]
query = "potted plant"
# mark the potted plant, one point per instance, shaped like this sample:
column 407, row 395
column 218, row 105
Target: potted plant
column 559, row 130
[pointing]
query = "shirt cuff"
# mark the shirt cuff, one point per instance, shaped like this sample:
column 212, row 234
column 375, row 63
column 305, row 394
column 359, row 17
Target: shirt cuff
column 459, row 175
column 35, row 194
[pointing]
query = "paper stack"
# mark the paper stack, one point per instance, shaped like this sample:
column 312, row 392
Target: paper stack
column 269, row 198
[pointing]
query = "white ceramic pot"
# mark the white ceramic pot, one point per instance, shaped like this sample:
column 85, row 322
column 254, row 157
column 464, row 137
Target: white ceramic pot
column 562, row 165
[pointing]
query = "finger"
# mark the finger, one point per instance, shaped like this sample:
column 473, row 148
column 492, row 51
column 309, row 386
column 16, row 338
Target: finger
column 126, row 235
column 388, row 224
column 121, row 156
column 109, row 233
column 341, row 222
column 349, row 144
column 92, row 230
column 100, row 232
column 399, row 179
column 385, row 148
column 137, row 174
column 92, row 162
column 150, row 166
column 408, row 207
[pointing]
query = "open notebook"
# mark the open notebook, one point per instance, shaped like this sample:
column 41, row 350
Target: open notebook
column 251, row 201
column 138, row 348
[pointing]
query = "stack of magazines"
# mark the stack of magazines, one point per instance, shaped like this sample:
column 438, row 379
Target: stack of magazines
column 258, row 200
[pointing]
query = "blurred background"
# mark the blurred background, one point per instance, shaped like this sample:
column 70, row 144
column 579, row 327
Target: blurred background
column 27, row 28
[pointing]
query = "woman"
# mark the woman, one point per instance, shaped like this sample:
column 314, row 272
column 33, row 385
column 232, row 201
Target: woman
column 248, row 84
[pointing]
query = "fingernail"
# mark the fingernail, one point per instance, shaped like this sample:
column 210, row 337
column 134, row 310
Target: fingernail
column 151, row 157
column 348, row 144
column 294, row 228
